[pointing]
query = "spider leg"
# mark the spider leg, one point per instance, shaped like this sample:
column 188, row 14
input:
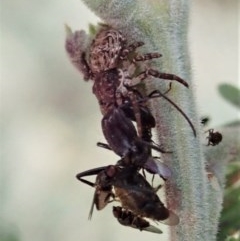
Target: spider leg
column 75, row 48
column 145, row 57
column 154, row 73
column 129, row 49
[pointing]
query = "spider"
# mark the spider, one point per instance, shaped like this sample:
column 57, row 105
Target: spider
column 109, row 64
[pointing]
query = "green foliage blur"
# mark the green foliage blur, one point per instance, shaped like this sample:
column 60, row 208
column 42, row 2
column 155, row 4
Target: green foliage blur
column 229, row 225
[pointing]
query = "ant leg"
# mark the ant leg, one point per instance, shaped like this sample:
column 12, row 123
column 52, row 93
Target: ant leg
column 86, row 182
column 169, row 88
column 210, row 131
column 157, row 188
column 90, row 172
column 114, row 199
column 157, row 94
column 154, row 146
column 124, row 90
column 143, row 172
column 137, row 113
column 152, row 179
column 104, row 145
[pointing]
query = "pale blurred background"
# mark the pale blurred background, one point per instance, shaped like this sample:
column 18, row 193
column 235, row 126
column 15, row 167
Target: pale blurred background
column 51, row 121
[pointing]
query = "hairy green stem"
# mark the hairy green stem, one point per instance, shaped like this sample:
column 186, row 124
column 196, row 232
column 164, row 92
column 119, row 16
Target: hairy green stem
column 162, row 25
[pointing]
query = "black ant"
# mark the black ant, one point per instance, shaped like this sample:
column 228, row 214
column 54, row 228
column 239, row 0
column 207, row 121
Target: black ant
column 214, row 138
column 132, row 190
column 205, row 120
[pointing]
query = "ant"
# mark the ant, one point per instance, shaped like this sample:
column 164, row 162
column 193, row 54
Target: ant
column 151, row 164
column 205, row 120
column 122, row 137
column 214, row 138
column 133, row 191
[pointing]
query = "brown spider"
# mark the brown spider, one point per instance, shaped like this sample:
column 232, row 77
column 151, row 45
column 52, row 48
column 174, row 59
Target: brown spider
column 110, row 66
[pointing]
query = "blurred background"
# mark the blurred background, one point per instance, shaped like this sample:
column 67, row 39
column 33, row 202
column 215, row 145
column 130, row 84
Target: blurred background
column 50, row 121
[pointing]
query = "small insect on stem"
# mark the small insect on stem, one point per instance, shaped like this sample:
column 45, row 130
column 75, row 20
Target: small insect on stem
column 205, row 121
column 214, row 138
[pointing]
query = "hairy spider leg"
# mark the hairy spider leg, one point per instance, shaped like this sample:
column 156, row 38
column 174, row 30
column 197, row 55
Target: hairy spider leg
column 157, row 94
column 155, row 73
column 131, row 48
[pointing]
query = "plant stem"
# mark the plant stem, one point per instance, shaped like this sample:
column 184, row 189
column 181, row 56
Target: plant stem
column 162, row 26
